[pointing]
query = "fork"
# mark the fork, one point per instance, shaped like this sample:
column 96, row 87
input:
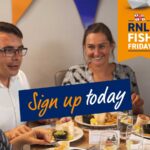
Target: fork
column 54, row 144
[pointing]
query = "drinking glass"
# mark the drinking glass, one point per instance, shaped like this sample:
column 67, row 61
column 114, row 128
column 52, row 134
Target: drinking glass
column 124, row 120
column 108, row 140
column 133, row 142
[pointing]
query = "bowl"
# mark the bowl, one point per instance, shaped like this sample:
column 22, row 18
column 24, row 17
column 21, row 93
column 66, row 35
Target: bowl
column 60, row 135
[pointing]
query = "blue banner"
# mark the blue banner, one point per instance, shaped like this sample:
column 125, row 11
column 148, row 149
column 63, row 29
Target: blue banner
column 87, row 10
column 72, row 100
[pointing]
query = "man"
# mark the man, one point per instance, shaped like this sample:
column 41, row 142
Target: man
column 12, row 79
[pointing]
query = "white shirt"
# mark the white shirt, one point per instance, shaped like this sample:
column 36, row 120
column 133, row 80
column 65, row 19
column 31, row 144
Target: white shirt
column 9, row 101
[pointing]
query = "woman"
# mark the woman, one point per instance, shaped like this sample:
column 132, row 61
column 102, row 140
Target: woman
column 98, row 47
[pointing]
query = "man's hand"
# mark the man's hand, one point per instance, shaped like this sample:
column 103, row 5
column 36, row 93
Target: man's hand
column 35, row 136
column 17, row 131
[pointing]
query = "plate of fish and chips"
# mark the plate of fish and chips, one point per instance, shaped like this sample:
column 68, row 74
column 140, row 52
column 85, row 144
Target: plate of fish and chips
column 97, row 120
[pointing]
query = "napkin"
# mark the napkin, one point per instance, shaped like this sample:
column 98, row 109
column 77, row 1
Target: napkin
column 139, row 3
column 94, row 135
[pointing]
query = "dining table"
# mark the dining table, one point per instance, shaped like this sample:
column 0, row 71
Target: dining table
column 82, row 143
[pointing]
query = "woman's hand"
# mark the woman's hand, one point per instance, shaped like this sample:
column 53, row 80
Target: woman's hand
column 137, row 104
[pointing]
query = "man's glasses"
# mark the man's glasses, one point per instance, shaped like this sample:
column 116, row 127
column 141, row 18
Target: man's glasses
column 11, row 51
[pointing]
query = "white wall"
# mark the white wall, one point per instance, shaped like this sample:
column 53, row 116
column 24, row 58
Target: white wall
column 53, row 33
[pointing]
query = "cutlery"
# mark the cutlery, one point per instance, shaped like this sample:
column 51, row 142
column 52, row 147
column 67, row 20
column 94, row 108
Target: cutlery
column 53, row 144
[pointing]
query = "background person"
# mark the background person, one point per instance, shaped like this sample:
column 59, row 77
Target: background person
column 12, row 79
column 98, row 47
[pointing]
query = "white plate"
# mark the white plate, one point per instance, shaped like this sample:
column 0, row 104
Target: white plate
column 76, row 148
column 78, row 132
column 79, row 120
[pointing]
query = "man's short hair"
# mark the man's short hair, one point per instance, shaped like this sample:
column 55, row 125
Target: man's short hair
column 10, row 28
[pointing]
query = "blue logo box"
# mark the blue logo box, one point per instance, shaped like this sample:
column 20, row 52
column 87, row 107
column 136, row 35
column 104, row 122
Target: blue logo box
column 72, row 100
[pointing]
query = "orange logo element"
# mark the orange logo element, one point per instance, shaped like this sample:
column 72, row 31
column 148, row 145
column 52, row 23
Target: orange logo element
column 133, row 32
column 18, row 9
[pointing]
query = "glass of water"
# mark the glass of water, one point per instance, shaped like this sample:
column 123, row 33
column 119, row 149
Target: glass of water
column 124, row 120
column 134, row 142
